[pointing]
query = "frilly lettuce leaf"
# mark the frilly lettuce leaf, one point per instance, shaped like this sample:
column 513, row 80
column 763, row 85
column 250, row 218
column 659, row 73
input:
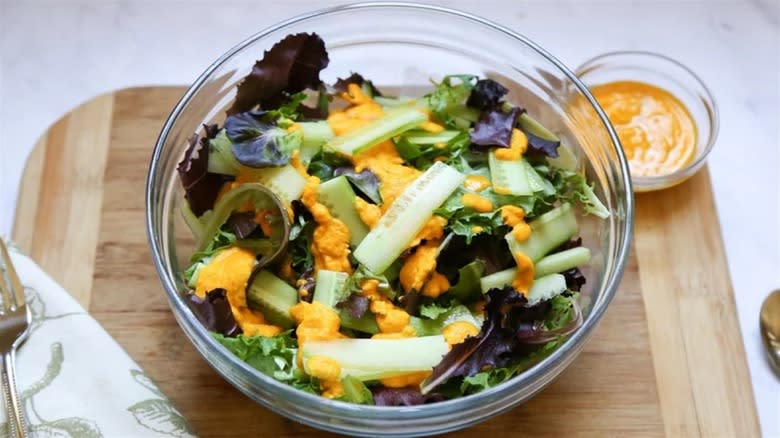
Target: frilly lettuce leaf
column 291, row 65
column 357, row 79
column 494, row 128
column 200, row 186
column 273, row 356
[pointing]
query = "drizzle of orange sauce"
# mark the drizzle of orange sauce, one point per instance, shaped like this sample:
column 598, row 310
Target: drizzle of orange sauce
column 656, row 130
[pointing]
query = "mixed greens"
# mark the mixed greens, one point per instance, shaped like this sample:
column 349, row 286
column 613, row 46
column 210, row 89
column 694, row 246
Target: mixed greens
column 433, row 246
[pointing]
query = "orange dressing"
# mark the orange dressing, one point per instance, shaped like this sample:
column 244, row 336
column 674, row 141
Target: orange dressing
column 656, row 130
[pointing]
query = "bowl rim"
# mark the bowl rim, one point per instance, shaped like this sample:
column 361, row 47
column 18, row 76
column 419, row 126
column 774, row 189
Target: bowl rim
column 713, row 112
column 556, row 359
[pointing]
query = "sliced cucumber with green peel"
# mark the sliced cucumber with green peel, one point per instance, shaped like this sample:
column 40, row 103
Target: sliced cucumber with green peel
column 497, row 280
column 407, row 216
column 551, row 264
column 373, row 359
column 272, row 296
column 424, row 137
column 528, row 124
column 329, row 289
column 509, row 177
column 315, row 134
column 562, row 261
column 285, row 181
column 537, row 183
column 548, row 231
column 394, row 122
column 337, row 195
column 546, row 287
column 565, row 159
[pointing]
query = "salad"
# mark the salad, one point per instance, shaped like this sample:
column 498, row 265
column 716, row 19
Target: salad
column 414, row 249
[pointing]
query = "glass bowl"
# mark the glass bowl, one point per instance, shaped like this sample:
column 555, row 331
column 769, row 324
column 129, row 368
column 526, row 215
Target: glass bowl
column 402, row 45
column 668, row 74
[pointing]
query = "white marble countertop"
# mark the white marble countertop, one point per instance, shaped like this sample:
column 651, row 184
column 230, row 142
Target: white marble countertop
column 57, row 54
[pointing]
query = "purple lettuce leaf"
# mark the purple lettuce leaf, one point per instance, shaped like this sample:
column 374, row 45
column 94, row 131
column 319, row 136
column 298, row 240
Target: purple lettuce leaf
column 242, row 224
column 356, row 305
column 486, row 94
column 542, row 146
column 214, row 312
column 494, row 128
column 201, row 187
column 402, row 397
column 500, row 341
column 291, row 65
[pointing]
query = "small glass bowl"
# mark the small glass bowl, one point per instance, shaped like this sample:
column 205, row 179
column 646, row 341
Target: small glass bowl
column 668, row 74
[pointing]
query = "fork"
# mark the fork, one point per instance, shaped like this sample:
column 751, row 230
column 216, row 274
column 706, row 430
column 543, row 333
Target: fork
column 14, row 328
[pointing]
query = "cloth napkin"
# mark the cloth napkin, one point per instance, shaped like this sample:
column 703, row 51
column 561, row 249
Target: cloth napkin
column 74, row 379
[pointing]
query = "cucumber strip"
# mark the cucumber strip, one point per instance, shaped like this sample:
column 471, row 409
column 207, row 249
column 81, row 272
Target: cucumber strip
column 537, row 183
column 221, row 159
column 330, row 287
column 407, row 216
column 372, row 359
column 393, row 102
column 337, row 195
column 272, row 296
column 429, row 327
column 430, row 137
column 562, row 261
column 365, row 324
column 565, row 160
column 497, row 280
column 192, row 221
column 509, row 177
column 528, row 124
column 315, row 134
column 543, row 288
column 391, row 124
column 285, row 181
column 547, row 232
column 546, row 287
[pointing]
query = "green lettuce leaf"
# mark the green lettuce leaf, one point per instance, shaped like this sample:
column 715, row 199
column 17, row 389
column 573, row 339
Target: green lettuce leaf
column 273, row 356
column 448, row 101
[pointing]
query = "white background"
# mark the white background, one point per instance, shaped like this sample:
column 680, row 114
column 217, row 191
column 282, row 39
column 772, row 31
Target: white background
column 57, row 54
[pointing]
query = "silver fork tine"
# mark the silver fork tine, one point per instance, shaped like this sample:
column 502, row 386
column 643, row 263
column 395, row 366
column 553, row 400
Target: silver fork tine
column 10, row 273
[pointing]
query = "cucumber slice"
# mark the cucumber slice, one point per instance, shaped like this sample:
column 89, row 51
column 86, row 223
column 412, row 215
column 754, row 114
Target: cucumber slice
column 547, row 232
column 285, row 181
column 497, row 280
column 337, row 195
column 543, row 288
column 430, row 137
column 221, row 158
column 372, row 359
column 546, row 287
column 407, row 216
column 565, row 159
column 272, row 296
column 315, row 134
column 537, row 183
column 330, row 287
column 391, row 124
column 365, row 324
column 528, row 124
column 429, row 327
column 509, row 177
column 562, row 261
column 393, row 102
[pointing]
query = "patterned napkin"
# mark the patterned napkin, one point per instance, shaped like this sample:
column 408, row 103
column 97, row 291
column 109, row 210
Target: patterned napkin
column 75, row 380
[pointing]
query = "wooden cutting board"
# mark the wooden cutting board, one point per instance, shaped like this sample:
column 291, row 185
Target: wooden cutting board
column 667, row 358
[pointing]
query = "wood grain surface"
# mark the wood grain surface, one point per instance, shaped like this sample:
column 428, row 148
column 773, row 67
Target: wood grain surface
column 667, row 358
